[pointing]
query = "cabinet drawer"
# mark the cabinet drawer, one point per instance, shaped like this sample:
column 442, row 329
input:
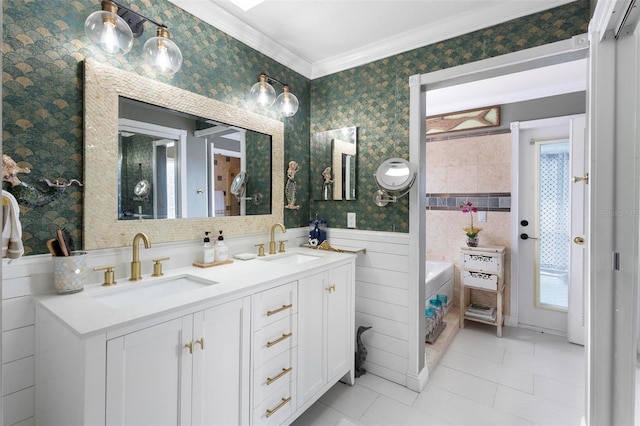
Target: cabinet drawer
column 272, row 374
column 274, row 339
column 480, row 280
column 482, row 262
column 277, row 407
column 273, row 304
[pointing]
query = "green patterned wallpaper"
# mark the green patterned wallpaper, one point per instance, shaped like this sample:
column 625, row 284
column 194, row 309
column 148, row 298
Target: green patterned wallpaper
column 375, row 98
column 258, row 166
column 44, row 44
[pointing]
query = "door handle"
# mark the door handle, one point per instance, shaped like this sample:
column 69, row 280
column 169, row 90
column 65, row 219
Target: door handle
column 527, row 237
column 584, row 179
column 578, row 240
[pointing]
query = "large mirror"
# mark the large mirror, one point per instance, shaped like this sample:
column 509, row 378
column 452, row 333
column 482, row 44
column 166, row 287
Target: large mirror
column 334, row 162
column 187, row 165
column 168, row 214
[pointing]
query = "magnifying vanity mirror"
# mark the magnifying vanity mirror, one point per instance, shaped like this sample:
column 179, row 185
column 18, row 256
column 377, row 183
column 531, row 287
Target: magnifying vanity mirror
column 333, row 166
column 394, row 178
column 238, row 185
column 162, row 160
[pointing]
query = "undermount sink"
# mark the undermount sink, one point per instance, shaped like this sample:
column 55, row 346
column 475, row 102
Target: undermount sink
column 293, row 258
column 142, row 292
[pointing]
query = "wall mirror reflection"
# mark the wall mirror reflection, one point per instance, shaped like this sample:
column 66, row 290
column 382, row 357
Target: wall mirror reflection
column 176, row 165
column 334, row 162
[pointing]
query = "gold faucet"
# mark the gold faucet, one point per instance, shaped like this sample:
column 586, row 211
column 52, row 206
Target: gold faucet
column 135, row 263
column 272, row 242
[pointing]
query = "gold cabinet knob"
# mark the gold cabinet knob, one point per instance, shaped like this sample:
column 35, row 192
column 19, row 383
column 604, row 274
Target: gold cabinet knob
column 157, row 266
column 578, row 240
column 109, row 275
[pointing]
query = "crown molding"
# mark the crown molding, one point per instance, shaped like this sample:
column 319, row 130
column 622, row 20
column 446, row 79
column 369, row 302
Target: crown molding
column 211, row 13
column 456, row 26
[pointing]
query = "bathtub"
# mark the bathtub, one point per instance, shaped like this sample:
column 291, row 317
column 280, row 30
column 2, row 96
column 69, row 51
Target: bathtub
column 438, row 280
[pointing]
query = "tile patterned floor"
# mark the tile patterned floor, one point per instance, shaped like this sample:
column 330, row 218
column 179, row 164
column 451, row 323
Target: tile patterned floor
column 523, row 378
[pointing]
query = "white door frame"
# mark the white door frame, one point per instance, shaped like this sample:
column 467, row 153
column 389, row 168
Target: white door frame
column 613, row 298
column 561, row 51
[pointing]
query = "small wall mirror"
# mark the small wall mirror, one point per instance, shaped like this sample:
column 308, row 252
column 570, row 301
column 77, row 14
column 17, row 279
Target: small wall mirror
column 394, row 178
column 334, row 155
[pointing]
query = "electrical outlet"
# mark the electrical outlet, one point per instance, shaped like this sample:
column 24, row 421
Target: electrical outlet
column 351, row 220
column 482, row 216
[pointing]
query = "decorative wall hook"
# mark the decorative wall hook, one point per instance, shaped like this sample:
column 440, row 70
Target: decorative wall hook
column 32, row 195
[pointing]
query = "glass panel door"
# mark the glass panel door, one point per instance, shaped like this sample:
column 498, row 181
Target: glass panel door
column 553, row 248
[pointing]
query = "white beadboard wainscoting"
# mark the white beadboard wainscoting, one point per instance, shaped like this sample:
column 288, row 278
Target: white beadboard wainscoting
column 382, row 298
column 18, row 338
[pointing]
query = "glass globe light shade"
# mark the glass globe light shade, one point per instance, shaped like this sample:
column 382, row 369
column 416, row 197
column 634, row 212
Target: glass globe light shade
column 163, row 54
column 109, row 31
column 262, row 93
column 287, row 103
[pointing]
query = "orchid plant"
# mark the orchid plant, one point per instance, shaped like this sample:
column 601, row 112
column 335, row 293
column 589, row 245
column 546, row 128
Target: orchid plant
column 468, row 207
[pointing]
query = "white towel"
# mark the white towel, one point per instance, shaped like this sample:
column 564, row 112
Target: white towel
column 218, row 203
column 11, row 229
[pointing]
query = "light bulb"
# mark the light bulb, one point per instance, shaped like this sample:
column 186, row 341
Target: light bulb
column 162, row 53
column 109, row 31
column 262, row 93
column 287, row 103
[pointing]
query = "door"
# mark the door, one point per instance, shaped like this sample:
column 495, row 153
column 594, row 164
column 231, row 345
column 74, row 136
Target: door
column 149, row 376
column 312, row 367
column 221, row 364
column 337, row 315
column 548, row 276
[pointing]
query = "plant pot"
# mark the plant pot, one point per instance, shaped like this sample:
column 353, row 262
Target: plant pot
column 472, row 241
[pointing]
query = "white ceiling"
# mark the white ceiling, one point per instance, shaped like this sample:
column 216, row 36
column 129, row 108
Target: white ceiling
column 321, row 37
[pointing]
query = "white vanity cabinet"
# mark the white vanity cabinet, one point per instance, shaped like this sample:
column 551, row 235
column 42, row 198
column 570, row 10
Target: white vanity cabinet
column 191, row 370
column 325, row 330
column 256, row 353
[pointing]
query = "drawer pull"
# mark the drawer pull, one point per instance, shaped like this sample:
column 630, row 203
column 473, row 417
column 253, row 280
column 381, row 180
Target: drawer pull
column 200, row 342
column 190, row 346
column 280, row 339
column 282, row 373
column 284, row 307
column 279, row 406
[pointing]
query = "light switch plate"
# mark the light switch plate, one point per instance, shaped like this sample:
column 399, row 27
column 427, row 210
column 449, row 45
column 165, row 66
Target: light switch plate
column 351, row 220
column 482, row 216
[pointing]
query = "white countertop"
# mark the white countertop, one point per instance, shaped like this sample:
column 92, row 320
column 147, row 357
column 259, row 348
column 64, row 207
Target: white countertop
column 86, row 316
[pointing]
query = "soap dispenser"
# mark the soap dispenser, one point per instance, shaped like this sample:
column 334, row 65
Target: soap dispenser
column 221, row 249
column 209, row 251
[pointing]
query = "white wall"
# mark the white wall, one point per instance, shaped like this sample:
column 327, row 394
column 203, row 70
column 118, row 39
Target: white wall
column 382, row 298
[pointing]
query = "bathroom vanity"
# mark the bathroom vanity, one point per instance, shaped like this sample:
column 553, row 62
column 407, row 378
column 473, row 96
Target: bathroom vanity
column 252, row 342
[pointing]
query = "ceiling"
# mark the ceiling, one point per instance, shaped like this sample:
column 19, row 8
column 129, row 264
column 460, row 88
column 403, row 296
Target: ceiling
column 321, row 37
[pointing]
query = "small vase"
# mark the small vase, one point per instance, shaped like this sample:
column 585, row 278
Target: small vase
column 472, row 241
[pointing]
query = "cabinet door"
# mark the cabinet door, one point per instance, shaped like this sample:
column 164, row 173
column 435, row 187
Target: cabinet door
column 338, row 319
column 146, row 379
column 312, row 366
column 221, row 364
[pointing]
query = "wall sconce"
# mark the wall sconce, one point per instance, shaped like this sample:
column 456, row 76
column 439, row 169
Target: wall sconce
column 394, row 178
column 264, row 95
column 113, row 28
